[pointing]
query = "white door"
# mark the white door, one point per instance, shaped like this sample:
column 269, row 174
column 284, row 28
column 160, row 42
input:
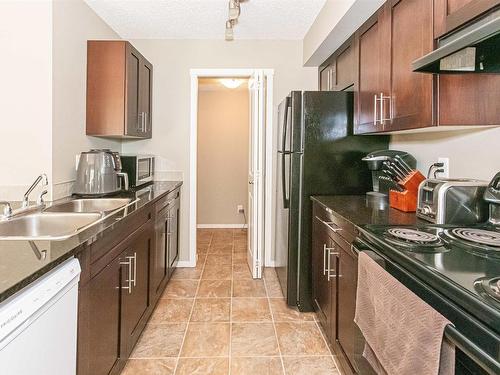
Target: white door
column 255, row 174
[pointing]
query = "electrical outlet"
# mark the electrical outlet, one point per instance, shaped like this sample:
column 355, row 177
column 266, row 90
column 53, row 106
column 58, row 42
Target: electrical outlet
column 240, row 209
column 446, row 167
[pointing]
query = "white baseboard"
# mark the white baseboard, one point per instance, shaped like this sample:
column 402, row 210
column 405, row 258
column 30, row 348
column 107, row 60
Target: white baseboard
column 270, row 263
column 186, row 263
column 221, row 226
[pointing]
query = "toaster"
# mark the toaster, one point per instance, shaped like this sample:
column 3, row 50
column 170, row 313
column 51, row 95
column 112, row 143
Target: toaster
column 452, row 201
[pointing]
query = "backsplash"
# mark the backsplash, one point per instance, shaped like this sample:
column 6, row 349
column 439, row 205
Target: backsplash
column 472, row 153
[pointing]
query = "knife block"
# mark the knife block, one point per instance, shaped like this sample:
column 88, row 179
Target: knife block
column 406, row 200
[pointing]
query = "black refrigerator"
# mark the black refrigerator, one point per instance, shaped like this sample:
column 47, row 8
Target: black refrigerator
column 317, row 155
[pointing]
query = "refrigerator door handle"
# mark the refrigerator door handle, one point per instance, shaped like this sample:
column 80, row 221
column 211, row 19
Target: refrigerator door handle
column 286, row 199
column 285, row 125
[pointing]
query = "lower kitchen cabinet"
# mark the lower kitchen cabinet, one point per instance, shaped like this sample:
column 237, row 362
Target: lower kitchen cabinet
column 335, row 273
column 166, row 250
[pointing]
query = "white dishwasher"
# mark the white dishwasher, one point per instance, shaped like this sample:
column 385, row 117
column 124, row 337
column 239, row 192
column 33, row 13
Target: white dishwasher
column 38, row 325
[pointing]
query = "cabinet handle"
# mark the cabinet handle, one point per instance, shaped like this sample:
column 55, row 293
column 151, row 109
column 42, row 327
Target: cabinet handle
column 129, row 280
column 375, row 119
column 145, row 122
column 324, row 259
column 135, row 269
column 330, row 251
column 382, row 117
column 329, row 225
column 139, row 122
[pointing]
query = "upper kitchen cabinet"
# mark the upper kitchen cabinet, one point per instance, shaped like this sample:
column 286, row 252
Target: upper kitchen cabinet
column 119, row 91
column 339, row 71
column 451, row 14
column 390, row 95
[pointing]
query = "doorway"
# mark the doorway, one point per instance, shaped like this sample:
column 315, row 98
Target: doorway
column 230, row 170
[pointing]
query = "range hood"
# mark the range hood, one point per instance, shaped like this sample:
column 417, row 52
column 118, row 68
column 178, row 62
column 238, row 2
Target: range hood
column 474, row 49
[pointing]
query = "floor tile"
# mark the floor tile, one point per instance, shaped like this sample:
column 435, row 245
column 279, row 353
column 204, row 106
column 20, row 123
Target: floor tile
column 256, row 339
column 283, row 313
column 215, row 288
column 250, row 310
column 211, row 310
column 273, row 289
column 190, row 273
column 241, row 271
column 248, row 288
column 150, row 367
column 256, row 365
column 180, row 289
column 172, row 311
column 239, row 258
column 218, row 259
column 217, row 272
column 300, row 339
column 160, row 341
column 319, row 365
column 269, row 274
column 221, row 250
column 206, row 340
column 203, row 366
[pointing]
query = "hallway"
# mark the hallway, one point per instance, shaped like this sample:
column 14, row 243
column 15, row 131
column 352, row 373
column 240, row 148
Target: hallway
column 215, row 319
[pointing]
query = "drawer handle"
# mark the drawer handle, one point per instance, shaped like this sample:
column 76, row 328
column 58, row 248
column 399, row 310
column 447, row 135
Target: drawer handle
column 329, row 225
column 129, row 279
column 327, row 254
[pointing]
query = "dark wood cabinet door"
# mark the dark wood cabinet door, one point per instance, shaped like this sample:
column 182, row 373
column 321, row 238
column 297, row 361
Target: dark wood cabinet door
column 135, row 301
column 173, row 232
column 371, row 80
column 346, row 302
column 469, row 99
column 410, row 98
column 321, row 284
column 160, row 256
column 145, row 91
column 327, row 78
column 451, row 14
column 345, row 76
column 100, row 343
column 133, row 120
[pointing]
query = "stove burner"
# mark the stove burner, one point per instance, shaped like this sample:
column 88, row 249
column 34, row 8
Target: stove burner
column 479, row 236
column 414, row 236
column 489, row 287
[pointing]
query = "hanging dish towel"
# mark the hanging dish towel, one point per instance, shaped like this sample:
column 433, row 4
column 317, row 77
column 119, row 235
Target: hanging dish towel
column 404, row 335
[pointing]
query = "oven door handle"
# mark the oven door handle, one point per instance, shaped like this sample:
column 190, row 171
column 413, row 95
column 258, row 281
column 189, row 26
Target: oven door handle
column 479, row 356
column 487, row 363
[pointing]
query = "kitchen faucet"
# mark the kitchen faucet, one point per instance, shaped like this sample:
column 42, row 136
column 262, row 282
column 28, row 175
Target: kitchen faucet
column 7, row 209
column 45, row 181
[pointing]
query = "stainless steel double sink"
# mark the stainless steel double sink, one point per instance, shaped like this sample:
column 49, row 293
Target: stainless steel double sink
column 60, row 221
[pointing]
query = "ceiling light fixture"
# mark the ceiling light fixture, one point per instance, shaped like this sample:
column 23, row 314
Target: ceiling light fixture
column 234, row 9
column 231, row 83
column 234, row 13
column 229, row 31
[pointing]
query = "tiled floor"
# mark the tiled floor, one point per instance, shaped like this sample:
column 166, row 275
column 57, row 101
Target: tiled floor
column 215, row 319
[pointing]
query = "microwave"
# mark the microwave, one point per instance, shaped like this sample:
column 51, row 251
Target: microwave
column 139, row 168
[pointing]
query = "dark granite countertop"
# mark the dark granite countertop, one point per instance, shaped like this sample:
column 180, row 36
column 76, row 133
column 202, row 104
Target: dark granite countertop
column 19, row 265
column 356, row 210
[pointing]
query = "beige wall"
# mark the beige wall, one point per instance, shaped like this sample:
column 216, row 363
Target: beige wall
column 223, row 126
column 73, row 24
column 473, row 153
column 25, row 95
column 173, row 59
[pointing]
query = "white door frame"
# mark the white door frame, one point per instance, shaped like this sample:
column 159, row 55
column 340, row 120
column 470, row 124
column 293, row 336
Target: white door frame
column 193, row 150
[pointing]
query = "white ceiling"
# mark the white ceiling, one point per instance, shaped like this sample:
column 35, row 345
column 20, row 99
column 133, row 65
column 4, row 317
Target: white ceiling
column 205, row 19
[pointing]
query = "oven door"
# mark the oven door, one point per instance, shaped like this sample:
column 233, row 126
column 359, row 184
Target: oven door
column 144, row 169
column 477, row 346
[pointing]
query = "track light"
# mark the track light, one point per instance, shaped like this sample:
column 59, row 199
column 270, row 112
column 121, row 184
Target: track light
column 234, row 9
column 229, row 31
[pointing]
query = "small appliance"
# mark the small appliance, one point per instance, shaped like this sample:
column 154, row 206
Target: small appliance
column 452, row 201
column 99, row 173
column 385, row 166
column 139, row 168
